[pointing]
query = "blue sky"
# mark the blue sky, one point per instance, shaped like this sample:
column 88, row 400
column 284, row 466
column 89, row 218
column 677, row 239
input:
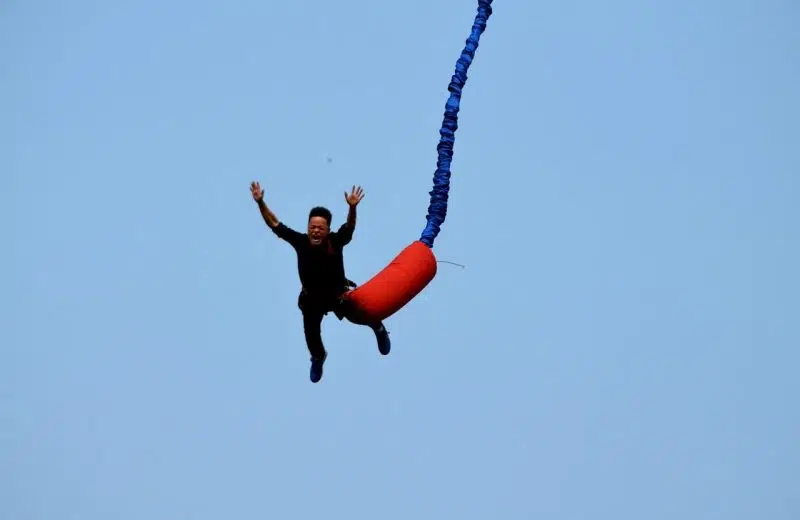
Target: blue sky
column 622, row 344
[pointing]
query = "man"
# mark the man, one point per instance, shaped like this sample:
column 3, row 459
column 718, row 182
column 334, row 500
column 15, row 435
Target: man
column 320, row 265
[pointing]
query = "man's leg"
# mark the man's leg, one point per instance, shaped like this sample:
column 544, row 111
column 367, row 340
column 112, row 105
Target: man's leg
column 342, row 310
column 312, row 328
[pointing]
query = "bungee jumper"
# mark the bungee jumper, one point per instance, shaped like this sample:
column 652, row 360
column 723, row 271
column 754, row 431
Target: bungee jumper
column 320, row 265
column 319, row 251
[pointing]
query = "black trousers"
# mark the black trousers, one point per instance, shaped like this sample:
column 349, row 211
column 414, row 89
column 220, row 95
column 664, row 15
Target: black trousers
column 314, row 309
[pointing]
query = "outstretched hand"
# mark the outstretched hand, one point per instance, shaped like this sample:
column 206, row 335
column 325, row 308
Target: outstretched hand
column 354, row 197
column 255, row 189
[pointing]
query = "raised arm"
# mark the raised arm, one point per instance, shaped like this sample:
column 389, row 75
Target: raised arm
column 352, row 200
column 266, row 213
column 282, row 231
column 345, row 233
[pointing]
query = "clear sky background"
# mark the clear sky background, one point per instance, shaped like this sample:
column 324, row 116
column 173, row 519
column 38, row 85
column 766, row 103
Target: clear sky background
column 623, row 343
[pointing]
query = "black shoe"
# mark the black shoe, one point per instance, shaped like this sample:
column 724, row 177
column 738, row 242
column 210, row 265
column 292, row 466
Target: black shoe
column 316, row 368
column 384, row 343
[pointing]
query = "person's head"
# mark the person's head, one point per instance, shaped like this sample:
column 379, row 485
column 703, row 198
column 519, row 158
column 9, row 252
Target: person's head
column 319, row 224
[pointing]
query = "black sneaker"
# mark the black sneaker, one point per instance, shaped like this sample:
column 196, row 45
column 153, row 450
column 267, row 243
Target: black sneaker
column 316, row 368
column 384, row 343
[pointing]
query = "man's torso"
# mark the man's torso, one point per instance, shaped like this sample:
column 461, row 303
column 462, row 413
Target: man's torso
column 321, row 268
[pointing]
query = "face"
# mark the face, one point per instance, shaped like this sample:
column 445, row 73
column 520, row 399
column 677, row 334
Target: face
column 317, row 230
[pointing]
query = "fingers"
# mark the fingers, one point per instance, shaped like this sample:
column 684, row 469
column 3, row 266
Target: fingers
column 355, row 195
column 255, row 190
